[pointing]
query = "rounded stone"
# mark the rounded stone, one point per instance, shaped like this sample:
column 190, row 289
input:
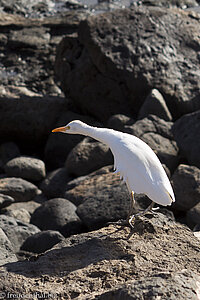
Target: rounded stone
column 26, row 167
column 54, row 214
column 42, row 241
column 18, row 188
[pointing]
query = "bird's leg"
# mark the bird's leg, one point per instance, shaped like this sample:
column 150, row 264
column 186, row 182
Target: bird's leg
column 132, row 218
column 132, row 203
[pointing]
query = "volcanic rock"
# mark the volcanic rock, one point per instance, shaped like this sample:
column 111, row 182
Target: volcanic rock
column 186, row 184
column 18, row 188
column 118, row 57
column 193, row 216
column 6, row 250
column 155, row 104
column 42, row 241
column 29, row 168
column 16, row 231
column 57, row 214
column 158, row 251
column 87, row 156
column 183, row 284
column 29, row 206
column 119, row 122
column 102, row 197
column 54, row 185
column 187, row 135
column 20, row 214
column 21, row 119
column 5, row 200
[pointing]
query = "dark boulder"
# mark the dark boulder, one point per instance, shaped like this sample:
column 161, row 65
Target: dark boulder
column 42, row 241
column 118, row 57
column 193, row 216
column 18, row 188
column 186, row 184
column 88, row 156
column 187, row 135
column 16, row 231
column 57, row 214
column 155, row 104
column 102, row 197
column 54, row 185
column 22, row 121
column 119, row 122
column 29, row 168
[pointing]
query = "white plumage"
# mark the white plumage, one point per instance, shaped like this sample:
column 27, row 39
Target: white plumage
column 136, row 162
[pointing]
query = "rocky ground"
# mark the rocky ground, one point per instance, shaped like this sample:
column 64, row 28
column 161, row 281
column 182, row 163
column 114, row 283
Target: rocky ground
column 133, row 69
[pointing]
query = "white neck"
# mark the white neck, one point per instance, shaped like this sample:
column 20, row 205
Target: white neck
column 103, row 135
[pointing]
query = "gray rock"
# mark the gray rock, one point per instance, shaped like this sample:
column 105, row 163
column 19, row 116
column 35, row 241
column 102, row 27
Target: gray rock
column 155, row 104
column 6, row 250
column 103, row 197
column 8, row 151
column 42, row 241
column 59, row 145
column 186, row 184
column 173, row 3
column 114, row 66
column 29, row 206
column 88, row 156
column 16, row 231
column 80, row 188
column 20, row 214
column 187, row 135
column 5, row 200
column 21, row 119
column 109, row 203
column 193, row 216
column 33, row 38
column 152, row 124
column 119, row 122
column 54, row 185
column 161, row 286
column 29, row 168
column 42, row 12
column 18, row 188
column 158, row 251
column 56, row 213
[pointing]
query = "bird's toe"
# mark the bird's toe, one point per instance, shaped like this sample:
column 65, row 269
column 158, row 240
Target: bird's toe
column 131, row 221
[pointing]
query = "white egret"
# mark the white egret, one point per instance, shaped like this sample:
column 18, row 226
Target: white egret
column 136, row 162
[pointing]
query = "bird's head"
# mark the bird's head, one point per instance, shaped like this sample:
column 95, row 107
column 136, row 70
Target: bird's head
column 73, row 127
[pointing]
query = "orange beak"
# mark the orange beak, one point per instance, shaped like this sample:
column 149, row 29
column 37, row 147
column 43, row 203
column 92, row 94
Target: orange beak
column 60, row 129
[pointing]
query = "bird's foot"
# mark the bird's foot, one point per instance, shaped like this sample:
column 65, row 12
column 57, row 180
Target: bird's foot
column 120, row 222
column 131, row 221
column 132, row 218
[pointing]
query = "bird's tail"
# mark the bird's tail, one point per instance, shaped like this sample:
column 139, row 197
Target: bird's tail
column 171, row 196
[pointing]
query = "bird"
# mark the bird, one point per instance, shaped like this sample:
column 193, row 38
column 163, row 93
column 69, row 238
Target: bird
column 134, row 160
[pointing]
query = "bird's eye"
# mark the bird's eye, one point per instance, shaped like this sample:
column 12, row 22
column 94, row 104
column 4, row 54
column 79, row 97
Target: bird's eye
column 68, row 127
